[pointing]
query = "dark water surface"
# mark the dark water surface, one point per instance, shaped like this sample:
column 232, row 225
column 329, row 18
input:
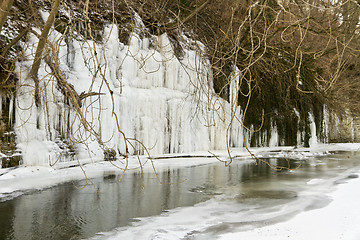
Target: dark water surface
column 67, row 212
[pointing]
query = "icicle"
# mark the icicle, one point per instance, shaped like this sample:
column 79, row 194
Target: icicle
column 325, row 124
column 274, row 137
column 352, row 126
column 313, row 139
column 236, row 138
column 11, row 110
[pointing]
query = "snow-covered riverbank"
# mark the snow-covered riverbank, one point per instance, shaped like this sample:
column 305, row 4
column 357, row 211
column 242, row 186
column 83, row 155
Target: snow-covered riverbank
column 338, row 220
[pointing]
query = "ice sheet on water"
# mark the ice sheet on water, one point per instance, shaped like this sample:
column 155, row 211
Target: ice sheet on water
column 219, row 215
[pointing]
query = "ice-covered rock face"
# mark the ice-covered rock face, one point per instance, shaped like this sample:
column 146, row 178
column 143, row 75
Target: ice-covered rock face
column 145, row 93
column 146, row 100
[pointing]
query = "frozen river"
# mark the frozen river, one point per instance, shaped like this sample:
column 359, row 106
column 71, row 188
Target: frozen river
column 203, row 202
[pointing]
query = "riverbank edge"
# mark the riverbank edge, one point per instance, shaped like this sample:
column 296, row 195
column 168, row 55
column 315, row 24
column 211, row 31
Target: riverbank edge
column 340, row 219
column 18, row 180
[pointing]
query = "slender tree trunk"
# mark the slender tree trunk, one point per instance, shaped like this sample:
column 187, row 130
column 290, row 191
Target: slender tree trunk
column 41, row 45
column 4, row 11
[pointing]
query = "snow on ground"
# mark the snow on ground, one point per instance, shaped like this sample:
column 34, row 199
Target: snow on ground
column 339, row 220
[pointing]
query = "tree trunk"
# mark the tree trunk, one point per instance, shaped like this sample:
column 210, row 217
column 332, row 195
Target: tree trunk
column 4, row 11
column 41, row 45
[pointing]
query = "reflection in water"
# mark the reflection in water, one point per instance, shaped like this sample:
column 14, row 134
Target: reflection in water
column 66, row 212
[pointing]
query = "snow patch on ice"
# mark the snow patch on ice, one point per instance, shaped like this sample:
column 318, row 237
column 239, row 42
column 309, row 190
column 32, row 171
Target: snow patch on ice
column 314, row 181
column 339, row 220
